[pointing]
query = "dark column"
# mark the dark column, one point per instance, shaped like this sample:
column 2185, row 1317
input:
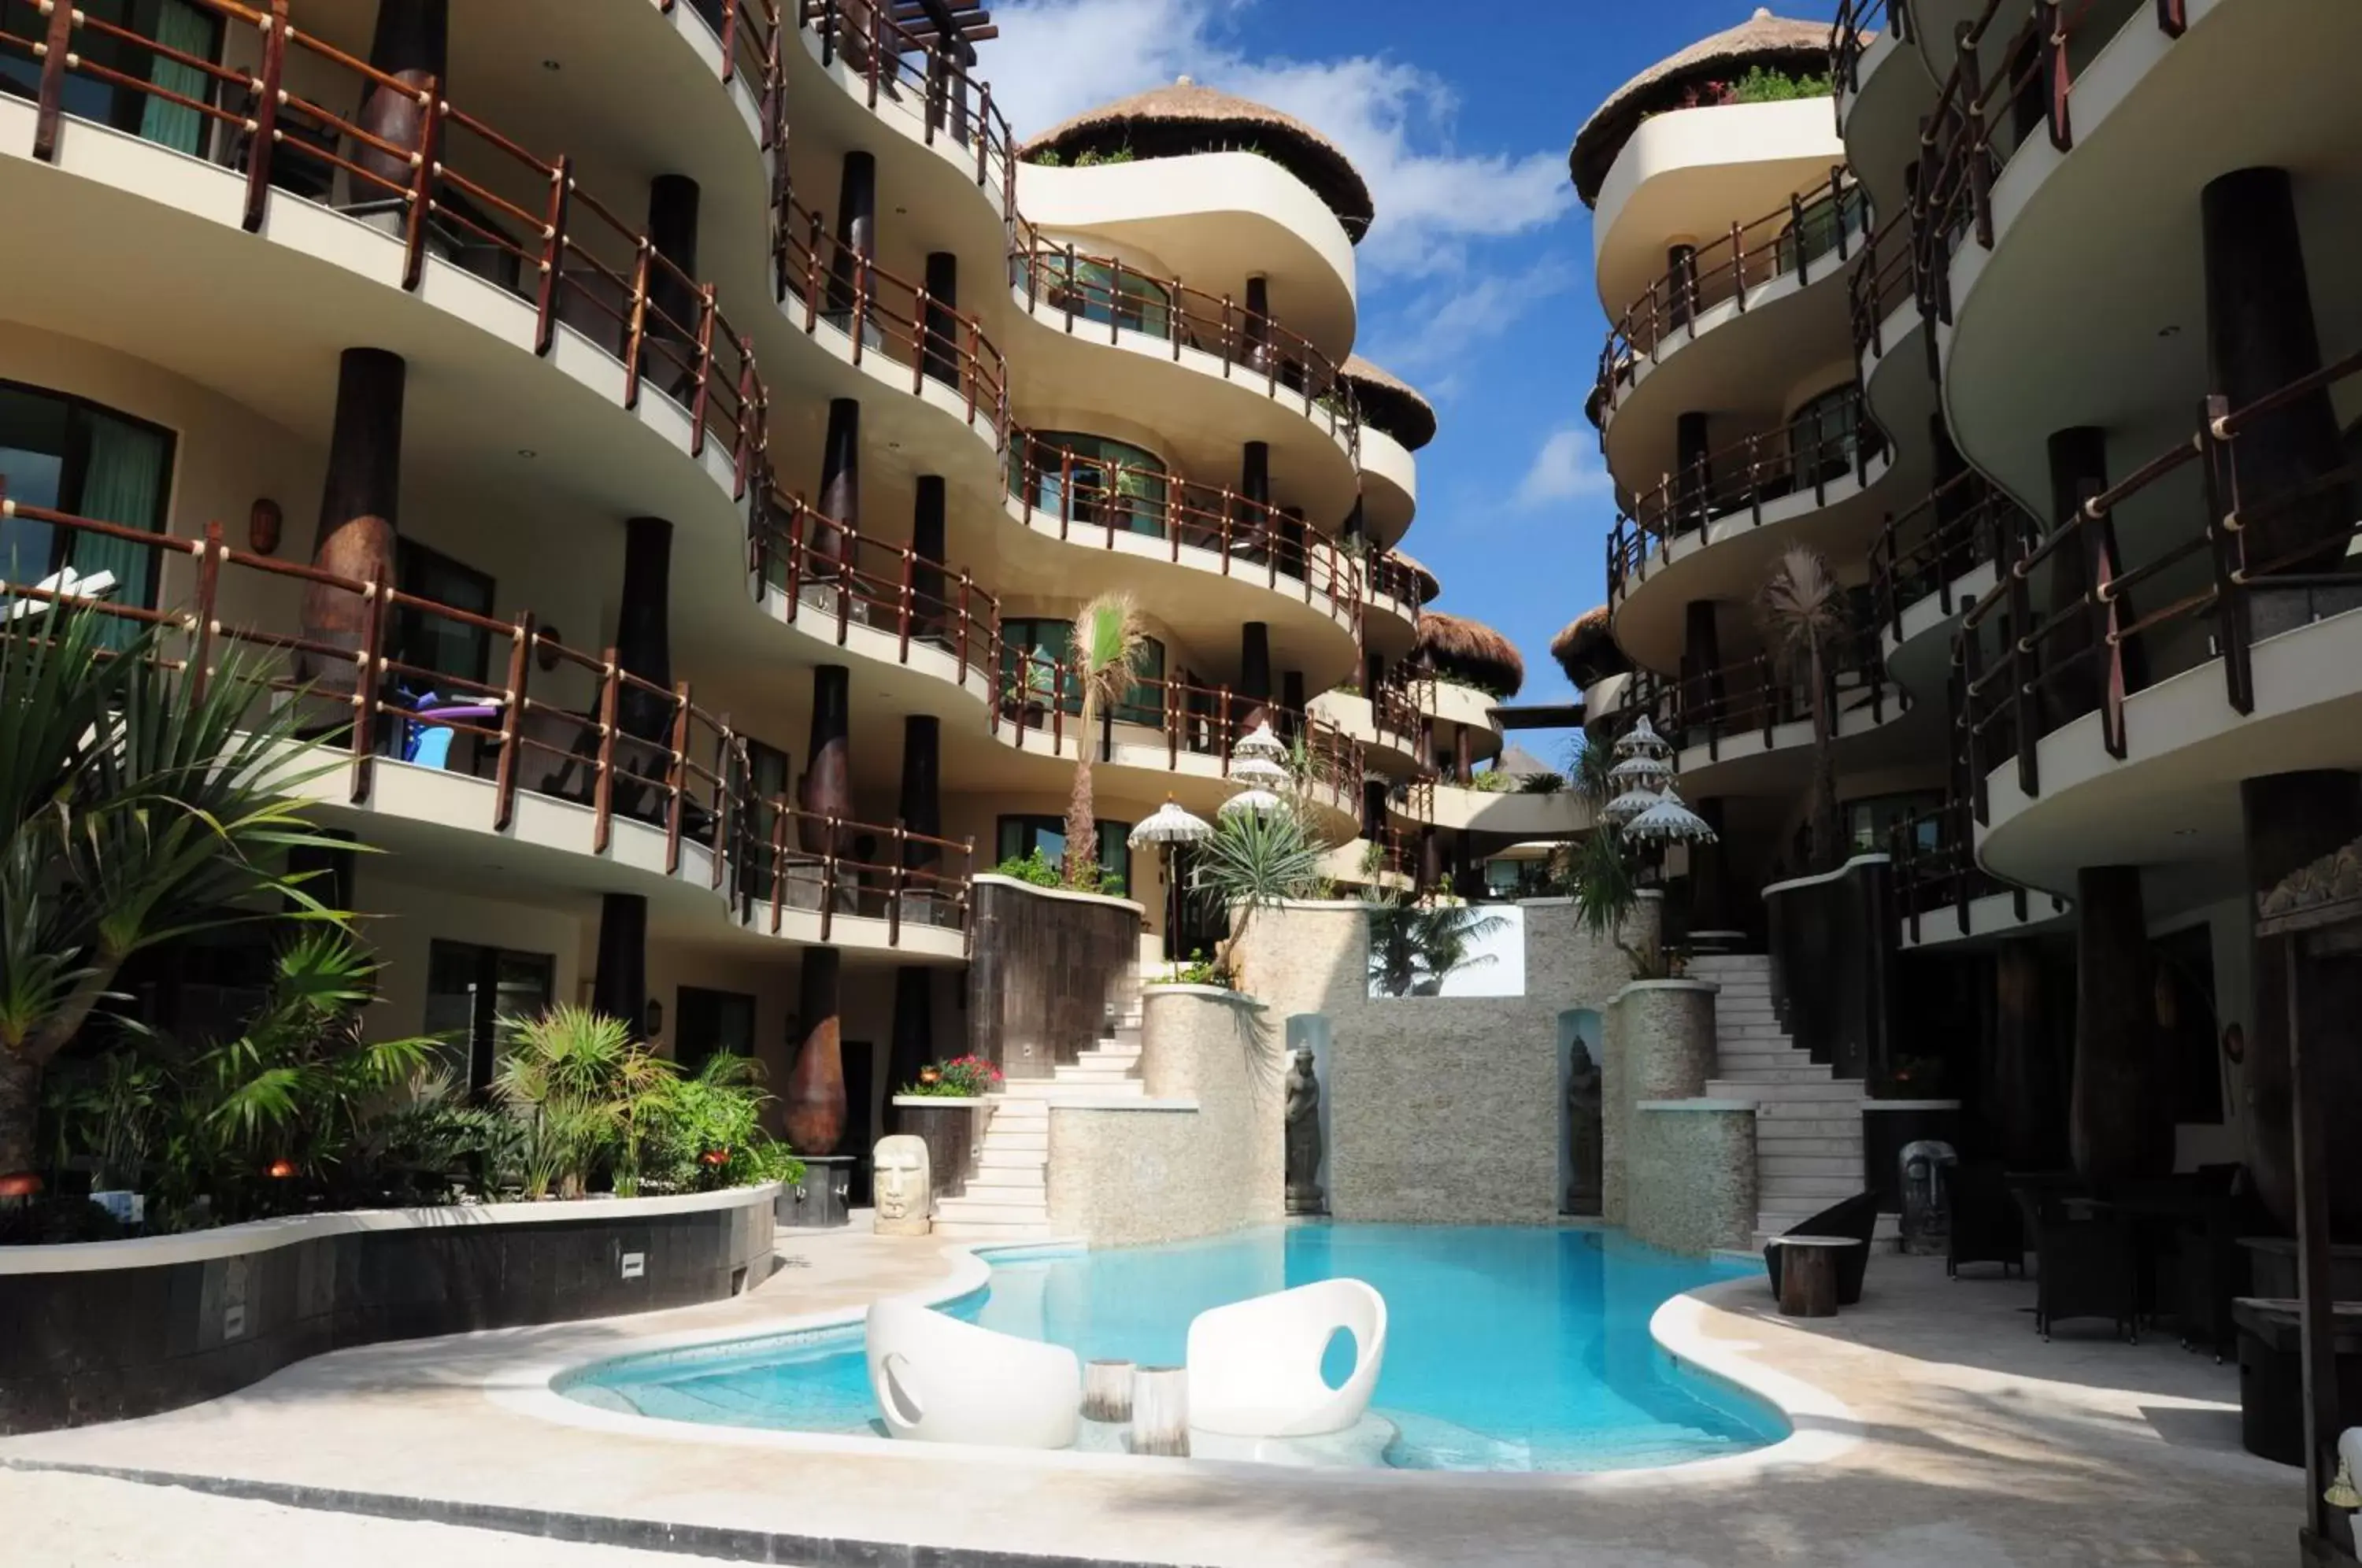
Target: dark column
column 1463, row 757
column 2020, row 1106
column 1252, row 526
column 672, row 231
column 1255, row 331
column 1373, row 674
column 1373, row 809
column 643, row 628
column 1710, row 904
column 2079, row 470
column 1356, row 525
column 827, row 549
column 1692, row 482
column 1430, row 858
column 412, row 43
column 1681, row 271
column 815, row 1092
column 2120, row 1123
column 2293, row 820
column 1702, row 687
column 827, row 790
column 929, row 613
column 922, row 801
column 359, row 504
column 915, row 1032
column 1291, row 540
column 1291, row 703
column 943, row 360
column 618, row 986
column 1253, row 696
column 856, row 228
column 2260, row 337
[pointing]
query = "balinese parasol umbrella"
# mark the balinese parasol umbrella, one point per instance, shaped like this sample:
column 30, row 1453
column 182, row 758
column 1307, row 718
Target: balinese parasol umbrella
column 1643, row 740
column 1624, row 808
column 1255, row 801
column 1645, row 772
column 1261, row 742
column 1669, row 821
column 1260, row 773
column 1170, row 824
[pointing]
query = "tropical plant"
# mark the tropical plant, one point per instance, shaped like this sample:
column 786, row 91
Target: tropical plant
column 962, row 1078
column 1033, row 867
column 1415, row 948
column 1540, row 783
column 1035, row 685
column 110, row 1106
column 138, row 804
column 707, row 1132
column 1763, row 84
column 1597, row 869
column 1103, row 650
column 1257, row 859
column 1803, row 612
column 584, row 1094
column 1200, row 970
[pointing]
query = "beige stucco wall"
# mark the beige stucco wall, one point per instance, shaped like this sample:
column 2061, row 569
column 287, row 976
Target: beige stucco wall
column 1658, row 1045
column 1440, row 1108
column 1692, row 1175
column 1203, row 1154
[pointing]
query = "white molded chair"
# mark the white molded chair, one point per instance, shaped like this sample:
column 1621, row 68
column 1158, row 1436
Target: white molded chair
column 940, row 1380
column 1254, row 1367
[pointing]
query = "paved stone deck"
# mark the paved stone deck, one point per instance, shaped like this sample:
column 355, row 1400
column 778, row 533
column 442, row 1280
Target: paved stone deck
column 1980, row 1447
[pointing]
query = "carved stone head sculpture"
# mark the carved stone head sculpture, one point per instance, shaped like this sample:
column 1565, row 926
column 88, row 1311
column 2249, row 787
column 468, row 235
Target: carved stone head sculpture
column 905, row 1187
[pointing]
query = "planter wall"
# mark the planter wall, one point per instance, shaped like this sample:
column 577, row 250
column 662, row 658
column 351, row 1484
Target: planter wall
column 107, row 1331
column 1692, row 1165
column 953, row 1129
column 1659, row 1045
column 1041, row 971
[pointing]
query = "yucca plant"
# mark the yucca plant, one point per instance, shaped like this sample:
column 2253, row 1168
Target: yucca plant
column 583, row 1092
column 138, row 805
column 1804, row 610
column 1254, row 860
column 1105, row 645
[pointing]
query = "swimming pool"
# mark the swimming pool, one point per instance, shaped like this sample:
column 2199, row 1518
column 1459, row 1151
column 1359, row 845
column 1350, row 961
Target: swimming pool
column 1507, row 1348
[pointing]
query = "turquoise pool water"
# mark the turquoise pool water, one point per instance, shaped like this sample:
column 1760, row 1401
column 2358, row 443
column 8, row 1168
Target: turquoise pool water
column 1507, row 1349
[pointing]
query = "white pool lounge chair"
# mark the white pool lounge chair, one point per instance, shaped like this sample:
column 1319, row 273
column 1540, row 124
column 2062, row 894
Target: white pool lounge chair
column 940, row 1380
column 67, row 584
column 1254, row 1367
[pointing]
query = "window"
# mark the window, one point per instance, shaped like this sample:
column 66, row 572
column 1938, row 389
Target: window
column 1020, row 836
column 75, row 456
column 470, row 989
column 1821, row 437
column 1869, row 822
column 1145, row 702
column 1030, row 646
column 436, row 642
column 175, row 24
column 1097, row 292
column 1114, row 482
column 766, row 785
column 709, row 1023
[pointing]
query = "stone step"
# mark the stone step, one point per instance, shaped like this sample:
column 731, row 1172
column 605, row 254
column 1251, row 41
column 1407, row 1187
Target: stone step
column 1092, row 1074
column 1825, row 1091
column 1778, row 1109
column 999, row 1138
column 1782, row 1077
column 1771, row 1165
column 1824, row 1189
column 1839, row 1146
column 1741, row 1028
column 1000, row 1156
column 1106, row 1056
column 1007, row 1108
column 1033, row 1178
column 987, row 1207
column 978, row 1231
column 1756, row 1057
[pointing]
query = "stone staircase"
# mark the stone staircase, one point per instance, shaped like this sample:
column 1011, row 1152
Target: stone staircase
column 1808, row 1141
column 1007, row 1198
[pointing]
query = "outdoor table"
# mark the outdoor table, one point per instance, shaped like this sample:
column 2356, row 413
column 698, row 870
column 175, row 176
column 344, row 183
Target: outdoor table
column 1808, row 1273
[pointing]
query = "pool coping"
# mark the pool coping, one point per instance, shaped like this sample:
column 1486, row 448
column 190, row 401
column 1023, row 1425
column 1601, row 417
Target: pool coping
column 1820, row 1426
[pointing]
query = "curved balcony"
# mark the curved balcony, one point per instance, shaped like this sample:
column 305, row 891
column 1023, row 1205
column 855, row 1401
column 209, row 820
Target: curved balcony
column 1930, row 564
column 1713, row 531
column 1396, row 588
column 480, row 263
column 1748, row 271
column 1390, row 487
column 1519, row 814
column 1387, row 728
column 1946, row 898
column 1882, row 87
column 2142, row 675
column 1747, row 726
column 639, row 789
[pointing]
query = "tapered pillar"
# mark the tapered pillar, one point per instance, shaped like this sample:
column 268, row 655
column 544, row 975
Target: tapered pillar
column 1430, row 858
column 1710, row 901
column 1255, row 331
column 2260, row 337
column 1950, row 465
column 930, row 612
column 1373, row 674
column 1373, row 809
column 2078, row 471
column 412, row 44
column 672, row 291
column 2020, row 1089
column 2293, row 820
column 618, row 986
column 1702, row 687
column 1291, row 705
column 359, row 504
column 1680, row 275
column 1692, row 481
column 1463, row 757
column 1253, row 521
column 829, row 548
column 2120, row 1123
column 643, row 628
column 827, row 790
column 1254, row 674
column 1291, row 540
column 1356, row 527
column 943, row 346
column 856, row 228
column 814, row 1097
column 913, row 1044
column 921, row 806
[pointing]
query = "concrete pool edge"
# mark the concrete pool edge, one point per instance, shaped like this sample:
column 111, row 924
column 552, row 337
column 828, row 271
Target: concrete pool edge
column 1820, row 1426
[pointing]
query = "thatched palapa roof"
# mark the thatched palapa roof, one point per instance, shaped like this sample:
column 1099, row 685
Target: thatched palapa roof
column 1587, row 650
column 1393, row 406
column 1779, row 42
column 1469, row 651
column 1184, row 118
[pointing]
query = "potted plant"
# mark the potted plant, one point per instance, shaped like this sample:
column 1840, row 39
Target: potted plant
column 962, row 1078
column 1027, row 695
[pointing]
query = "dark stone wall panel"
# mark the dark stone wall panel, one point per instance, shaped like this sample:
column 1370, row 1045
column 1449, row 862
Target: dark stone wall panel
column 1040, row 972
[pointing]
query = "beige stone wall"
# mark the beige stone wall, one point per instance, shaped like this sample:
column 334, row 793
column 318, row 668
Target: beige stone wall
column 1692, row 1175
column 1203, row 1156
column 1440, row 1108
column 1659, row 1044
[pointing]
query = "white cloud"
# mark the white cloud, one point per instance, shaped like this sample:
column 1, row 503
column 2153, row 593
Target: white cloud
column 1567, row 467
column 1056, row 57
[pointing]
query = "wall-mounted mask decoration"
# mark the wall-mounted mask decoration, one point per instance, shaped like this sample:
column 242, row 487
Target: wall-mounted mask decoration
column 262, row 527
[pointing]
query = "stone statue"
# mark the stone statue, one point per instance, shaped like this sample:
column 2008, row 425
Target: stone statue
column 1928, row 1196
column 1582, row 1142
column 905, row 1187
column 1304, row 1145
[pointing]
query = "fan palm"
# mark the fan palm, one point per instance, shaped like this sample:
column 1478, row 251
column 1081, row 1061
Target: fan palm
column 1256, row 859
column 1804, row 610
column 582, row 1089
column 1105, row 644
column 1415, row 948
column 137, row 805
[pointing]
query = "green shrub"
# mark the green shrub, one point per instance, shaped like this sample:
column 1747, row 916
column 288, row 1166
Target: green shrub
column 1033, row 867
column 1761, row 84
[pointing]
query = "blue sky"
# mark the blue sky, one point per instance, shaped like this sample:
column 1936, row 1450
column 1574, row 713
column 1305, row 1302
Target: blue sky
column 1476, row 280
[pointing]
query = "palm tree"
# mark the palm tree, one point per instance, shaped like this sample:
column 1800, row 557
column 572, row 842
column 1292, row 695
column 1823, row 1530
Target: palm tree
column 138, row 804
column 1105, row 643
column 1803, row 611
column 1415, row 948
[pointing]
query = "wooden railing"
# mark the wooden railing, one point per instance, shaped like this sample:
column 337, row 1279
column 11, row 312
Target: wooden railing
column 750, row 39
column 894, row 64
column 1088, row 496
column 1755, row 696
column 1964, row 523
column 1850, row 34
column 548, row 720
column 445, row 183
column 1736, row 482
column 2091, row 650
column 883, row 314
column 829, row 573
column 1892, row 269
column 1391, row 579
column 1789, row 240
column 1935, row 869
column 1121, row 298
